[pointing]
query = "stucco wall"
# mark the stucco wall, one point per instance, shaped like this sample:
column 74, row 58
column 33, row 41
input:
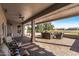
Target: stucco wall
column 2, row 20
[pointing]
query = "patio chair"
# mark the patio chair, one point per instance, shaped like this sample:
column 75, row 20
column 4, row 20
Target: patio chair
column 12, row 45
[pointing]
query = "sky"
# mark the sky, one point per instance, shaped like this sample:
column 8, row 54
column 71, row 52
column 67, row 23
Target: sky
column 67, row 22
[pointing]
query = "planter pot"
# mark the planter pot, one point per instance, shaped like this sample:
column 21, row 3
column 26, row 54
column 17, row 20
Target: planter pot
column 46, row 35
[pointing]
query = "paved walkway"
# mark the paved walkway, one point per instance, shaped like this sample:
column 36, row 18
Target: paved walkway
column 60, row 47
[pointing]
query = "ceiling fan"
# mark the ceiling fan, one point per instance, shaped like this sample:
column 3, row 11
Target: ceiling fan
column 21, row 17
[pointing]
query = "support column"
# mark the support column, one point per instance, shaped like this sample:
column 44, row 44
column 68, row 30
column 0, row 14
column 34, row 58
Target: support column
column 33, row 31
column 22, row 30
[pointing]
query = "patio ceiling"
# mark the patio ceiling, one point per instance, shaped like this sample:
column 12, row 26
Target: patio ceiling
column 20, row 12
column 40, row 12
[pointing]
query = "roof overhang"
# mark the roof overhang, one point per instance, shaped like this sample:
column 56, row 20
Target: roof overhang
column 50, row 9
column 56, row 13
column 65, row 12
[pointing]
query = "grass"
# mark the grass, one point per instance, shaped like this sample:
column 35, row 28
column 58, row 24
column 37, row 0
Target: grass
column 69, row 32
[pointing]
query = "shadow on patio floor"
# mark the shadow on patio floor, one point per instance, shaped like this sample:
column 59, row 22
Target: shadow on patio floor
column 32, row 48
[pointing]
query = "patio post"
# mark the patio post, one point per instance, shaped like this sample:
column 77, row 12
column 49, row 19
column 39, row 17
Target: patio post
column 22, row 30
column 33, row 31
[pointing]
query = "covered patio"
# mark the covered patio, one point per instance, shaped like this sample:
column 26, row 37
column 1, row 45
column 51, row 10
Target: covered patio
column 14, row 18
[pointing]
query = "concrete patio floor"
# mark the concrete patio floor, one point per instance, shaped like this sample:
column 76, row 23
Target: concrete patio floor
column 60, row 47
column 33, row 48
column 52, row 47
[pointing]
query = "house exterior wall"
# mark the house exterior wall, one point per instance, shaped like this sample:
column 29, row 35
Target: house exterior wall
column 3, row 32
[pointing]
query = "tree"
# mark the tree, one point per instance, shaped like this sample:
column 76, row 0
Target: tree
column 48, row 26
column 44, row 27
column 39, row 28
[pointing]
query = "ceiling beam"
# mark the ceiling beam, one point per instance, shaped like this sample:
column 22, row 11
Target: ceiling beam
column 56, row 19
column 65, row 14
column 51, row 8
